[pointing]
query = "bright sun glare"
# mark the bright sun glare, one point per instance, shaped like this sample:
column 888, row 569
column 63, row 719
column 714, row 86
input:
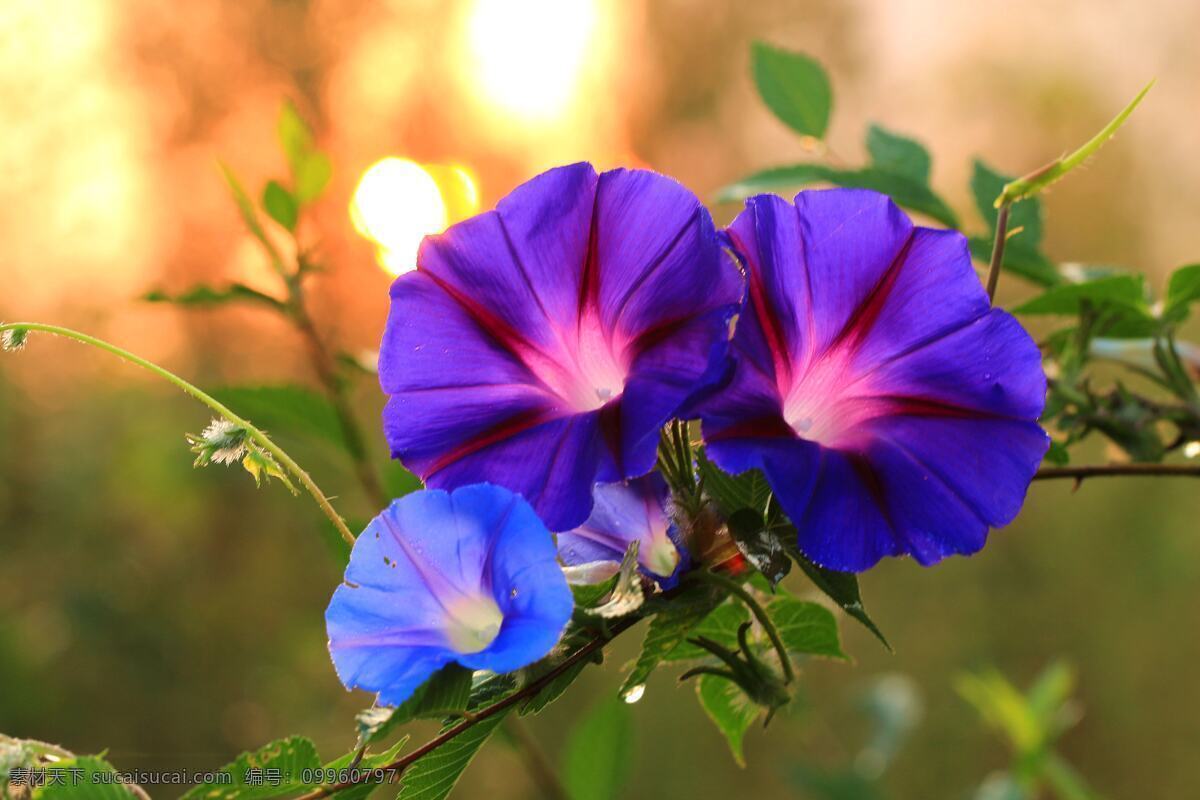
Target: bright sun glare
column 530, row 54
column 399, row 202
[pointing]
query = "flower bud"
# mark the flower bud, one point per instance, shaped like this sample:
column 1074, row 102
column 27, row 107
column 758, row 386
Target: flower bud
column 222, row 442
column 14, row 339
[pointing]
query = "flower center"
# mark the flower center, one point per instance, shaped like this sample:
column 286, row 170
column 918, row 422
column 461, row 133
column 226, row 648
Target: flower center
column 829, row 400
column 587, row 371
column 661, row 557
column 473, row 624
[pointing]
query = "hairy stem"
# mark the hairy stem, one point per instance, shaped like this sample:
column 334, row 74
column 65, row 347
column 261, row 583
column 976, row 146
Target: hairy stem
column 993, row 276
column 1110, row 470
column 531, row 689
column 256, row 435
column 760, row 613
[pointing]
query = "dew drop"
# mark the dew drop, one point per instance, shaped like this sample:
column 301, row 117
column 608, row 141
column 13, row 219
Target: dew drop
column 634, row 693
column 804, row 424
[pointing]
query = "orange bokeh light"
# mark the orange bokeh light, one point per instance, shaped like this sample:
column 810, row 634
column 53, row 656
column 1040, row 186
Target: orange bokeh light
column 399, row 202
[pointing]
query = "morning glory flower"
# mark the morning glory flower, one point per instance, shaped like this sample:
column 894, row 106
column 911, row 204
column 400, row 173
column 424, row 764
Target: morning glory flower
column 469, row 577
column 892, row 410
column 540, row 346
column 635, row 511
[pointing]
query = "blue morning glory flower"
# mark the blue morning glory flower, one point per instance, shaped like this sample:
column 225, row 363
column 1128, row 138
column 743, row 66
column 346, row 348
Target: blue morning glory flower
column 469, row 577
column 635, row 511
column 542, row 345
column 891, row 408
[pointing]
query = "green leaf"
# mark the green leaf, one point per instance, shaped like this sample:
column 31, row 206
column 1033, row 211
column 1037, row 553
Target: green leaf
column 1058, row 454
column 262, row 466
column 1065, row 780
column 842, row 588
column 313, row 176
column 289, row 759
column 1177, row 374
column 1020, row 258
column 721, row 626
column 1038, row 180
column 986, row 186
column 576, row 637
column 1003, row 707
column 1049, row 695
column 338, row 770
column 445, row 693
column 667, row 630
column 749, row 489
column 553, row 690
column 596, row 760
column 732, row 493
column 433, row 776
column 905, row 191
column 1127, row 291
column 759, row 541
column 806, row 627
column 795, row 88
column 295, row 137
column 203, row 296
column 898, row 154
column 80, row 778
column 1182, row 290
column 311, row 169
column 250, row 216
column 280, row 205
column 590, row 595
column 730, row 710
column 285, row 410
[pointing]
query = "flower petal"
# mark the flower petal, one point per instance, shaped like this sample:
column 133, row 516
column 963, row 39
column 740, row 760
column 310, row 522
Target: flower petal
column 555, row 463
column 988, row 463
column 526, row 580
column 934, row 292
column 433, row 580
column 660, row 259
column 564, row 328
column 891, row 410
column 853, row 240
column 990, row 366
column 625, row 513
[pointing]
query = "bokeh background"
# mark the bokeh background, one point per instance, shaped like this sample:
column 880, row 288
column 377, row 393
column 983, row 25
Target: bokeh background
column 174, row 617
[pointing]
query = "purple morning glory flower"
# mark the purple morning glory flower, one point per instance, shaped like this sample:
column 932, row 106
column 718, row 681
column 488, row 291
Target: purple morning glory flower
column 624, row 513
column 469, row 577
column 542, row 345
column 892, row 410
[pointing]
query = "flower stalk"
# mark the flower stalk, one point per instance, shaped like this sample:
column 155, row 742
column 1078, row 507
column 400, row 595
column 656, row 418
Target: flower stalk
column 736, row 589
column 587, row 651
column 1111, row 470
column 255, row 434
column 993, row 275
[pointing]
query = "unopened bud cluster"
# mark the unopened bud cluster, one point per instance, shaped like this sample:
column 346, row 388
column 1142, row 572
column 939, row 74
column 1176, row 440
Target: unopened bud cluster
column 14, row 339
column 222, row 442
